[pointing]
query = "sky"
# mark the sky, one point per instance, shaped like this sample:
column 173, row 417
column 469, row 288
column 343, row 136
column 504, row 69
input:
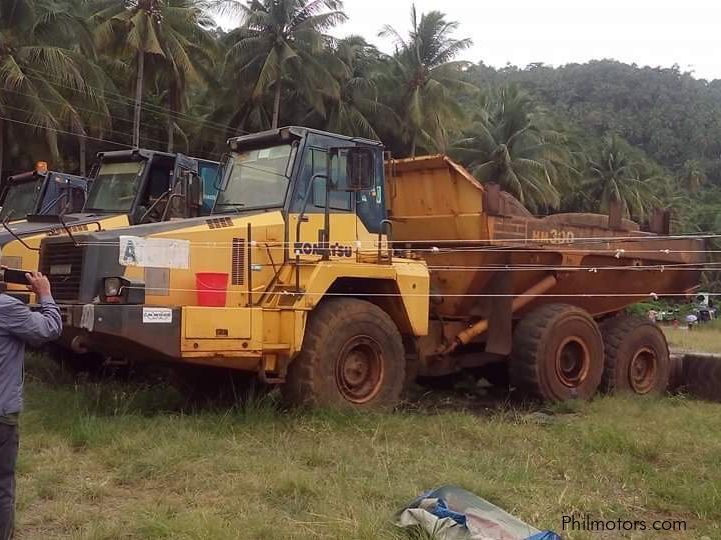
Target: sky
column 557, row 32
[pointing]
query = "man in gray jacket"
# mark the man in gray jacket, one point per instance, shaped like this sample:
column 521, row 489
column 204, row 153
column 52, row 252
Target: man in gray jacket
column 19, row 326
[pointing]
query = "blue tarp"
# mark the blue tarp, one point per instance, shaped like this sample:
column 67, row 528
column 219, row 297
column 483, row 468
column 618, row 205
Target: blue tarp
column 452, row 513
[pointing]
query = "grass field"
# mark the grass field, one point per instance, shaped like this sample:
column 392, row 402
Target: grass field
column 705, row 338
column 111, row 460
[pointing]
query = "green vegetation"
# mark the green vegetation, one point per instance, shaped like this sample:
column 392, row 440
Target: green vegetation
column 108, row 460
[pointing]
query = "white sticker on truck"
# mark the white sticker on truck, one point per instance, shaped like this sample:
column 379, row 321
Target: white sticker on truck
column 157, row 316
column 154, row 252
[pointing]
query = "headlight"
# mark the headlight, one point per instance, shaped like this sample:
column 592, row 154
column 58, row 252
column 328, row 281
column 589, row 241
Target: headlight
column 120, row 290
column 112, row 286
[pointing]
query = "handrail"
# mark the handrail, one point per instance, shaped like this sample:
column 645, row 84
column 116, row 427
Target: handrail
column 12, row 233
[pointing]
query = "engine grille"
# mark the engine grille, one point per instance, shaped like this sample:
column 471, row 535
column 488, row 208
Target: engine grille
column 62, row 263
column 238, row 261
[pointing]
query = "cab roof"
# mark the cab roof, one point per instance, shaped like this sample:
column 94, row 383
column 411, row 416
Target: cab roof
column 286, row 134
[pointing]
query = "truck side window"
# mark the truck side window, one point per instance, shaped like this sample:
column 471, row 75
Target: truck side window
column 315, row 163
column 339, row 200
column 370, row 205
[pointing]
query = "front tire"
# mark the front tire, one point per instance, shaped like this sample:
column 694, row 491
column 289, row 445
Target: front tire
column 637, row 357
column 352, row 356
column 557, row 354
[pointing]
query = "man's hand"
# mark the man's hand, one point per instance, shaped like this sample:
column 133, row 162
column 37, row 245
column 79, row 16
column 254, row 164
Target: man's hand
column 39, row 284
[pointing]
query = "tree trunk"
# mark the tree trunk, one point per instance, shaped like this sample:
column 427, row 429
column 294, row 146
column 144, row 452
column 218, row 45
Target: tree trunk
column 83, row 152
column 413, row 147
column 138, row 98
column 276, row 104
column 171, row 134
column 172, row 108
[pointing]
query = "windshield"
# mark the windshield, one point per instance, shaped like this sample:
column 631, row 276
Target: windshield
column 19, row 200
column 115, row 187
column 257, row 178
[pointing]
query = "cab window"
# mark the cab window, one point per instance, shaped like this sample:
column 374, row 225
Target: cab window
column 370, row 205
column 316, row 163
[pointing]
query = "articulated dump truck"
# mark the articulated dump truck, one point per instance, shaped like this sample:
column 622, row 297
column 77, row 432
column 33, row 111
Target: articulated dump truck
column 342, row 278
column 126, row 188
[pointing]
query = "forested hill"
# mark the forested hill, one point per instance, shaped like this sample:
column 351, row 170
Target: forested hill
column 673, row 117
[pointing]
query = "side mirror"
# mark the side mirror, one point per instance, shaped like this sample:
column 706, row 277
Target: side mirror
column 359, row 165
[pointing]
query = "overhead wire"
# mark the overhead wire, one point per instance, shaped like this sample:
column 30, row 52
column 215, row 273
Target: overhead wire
column 649, row 294
column 148, row 107
column 57, row 130
column 536, row 249
column 79, row 135
column 109, row 130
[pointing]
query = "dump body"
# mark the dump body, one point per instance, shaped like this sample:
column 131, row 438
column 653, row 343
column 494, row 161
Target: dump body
column 489, row 256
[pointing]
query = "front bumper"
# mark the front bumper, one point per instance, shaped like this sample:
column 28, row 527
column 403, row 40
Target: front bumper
column 138, row 332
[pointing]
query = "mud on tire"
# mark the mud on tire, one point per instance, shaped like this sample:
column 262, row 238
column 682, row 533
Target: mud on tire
column 637, row 356
column 557, row 354
column 352, row 356
column 702, row 376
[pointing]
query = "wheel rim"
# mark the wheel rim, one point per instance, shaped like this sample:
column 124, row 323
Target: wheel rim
column 359, row 370
column 642, row 371
column 573, row 362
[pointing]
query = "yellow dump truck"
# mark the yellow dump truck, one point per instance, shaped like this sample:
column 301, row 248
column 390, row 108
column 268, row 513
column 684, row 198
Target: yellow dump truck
column 340, row 277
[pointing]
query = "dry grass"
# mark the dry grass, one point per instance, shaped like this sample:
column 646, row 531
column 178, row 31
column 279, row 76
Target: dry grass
column 107, row 461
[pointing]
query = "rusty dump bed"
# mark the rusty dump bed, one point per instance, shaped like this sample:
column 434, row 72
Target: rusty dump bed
column 480, row 241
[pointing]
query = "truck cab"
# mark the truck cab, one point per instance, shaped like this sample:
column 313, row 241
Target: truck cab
column 126, row 188
column 148, row 186
column 41, row 192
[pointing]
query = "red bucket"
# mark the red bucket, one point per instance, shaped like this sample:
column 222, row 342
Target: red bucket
column 212, row 288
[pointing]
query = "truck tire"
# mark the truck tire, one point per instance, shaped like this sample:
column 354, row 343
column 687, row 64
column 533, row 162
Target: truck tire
column 352, row 356
column 637, row 356
column 557, row 354
column 702, row 376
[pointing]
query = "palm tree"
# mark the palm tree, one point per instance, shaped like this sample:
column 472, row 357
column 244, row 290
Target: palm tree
column 693, row 175
column 356, row 109
column 168, row 36
column 615, row 174
column 279, row 42
column 512, row 143
column 48, row 80
column 424, row 71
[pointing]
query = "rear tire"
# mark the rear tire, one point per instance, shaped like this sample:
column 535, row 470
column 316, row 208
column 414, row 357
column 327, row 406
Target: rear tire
column 702, row 375
column 352, row 356
column 557, row 354
column 637, row 356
